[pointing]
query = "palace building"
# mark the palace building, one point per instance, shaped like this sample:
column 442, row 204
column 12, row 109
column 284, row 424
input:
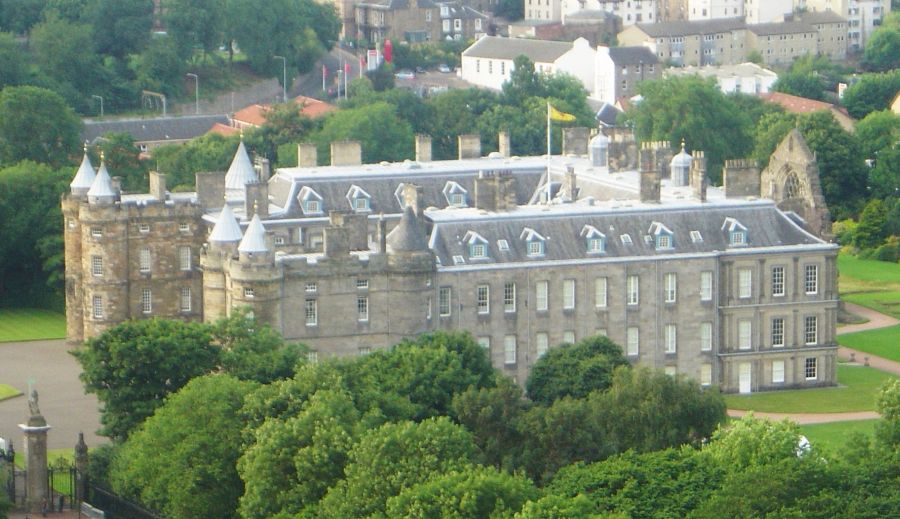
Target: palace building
column 733, row 286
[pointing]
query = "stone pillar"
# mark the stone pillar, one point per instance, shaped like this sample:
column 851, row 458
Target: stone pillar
column 158, row 186
column 81, row 468
column 505, row 145
column 307, row 156
column 423, row 148
column 469, row 146
column 575, row 141
column 36, row 485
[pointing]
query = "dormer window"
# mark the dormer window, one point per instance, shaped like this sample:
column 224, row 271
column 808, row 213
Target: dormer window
column 310, row 202
column 696, row 237
column 663, row 237
column 478, row 246
column 503, row 245
column 595, row 240
column 737, row 233
column 398, row 195
column 534, row 243
column 456, row 195
column 360, row 201
column 626, row 239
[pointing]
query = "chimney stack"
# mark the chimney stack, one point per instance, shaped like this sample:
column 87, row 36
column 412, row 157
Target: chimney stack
column 414, row 196
column 210, row 188
column 570, row 185
column 381, row 234
column 256, row 199
column 495, row 191
column 346, row 153
column 741, row 178
column 263, row 169
column 336, row 237
column 307, row 155
column 505, row 146
column 650, row 179
column 158, row 185
column 423, row 148
column 469, row 146
column 698, row 175
column 575, row 141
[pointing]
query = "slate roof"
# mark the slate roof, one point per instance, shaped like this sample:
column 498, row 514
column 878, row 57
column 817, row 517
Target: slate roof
column 563, row 227
column 155, row 129
column 632, row 55
column 686, row 28
column 607, row 114
column 820, row 17
column 773, row 29
column 538, row 51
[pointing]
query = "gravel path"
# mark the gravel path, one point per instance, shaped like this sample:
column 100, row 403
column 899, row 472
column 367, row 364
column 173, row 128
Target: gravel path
column 809, row 418
column 876, row 319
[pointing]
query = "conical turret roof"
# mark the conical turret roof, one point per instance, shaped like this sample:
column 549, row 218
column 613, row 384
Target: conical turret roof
column 102, row 188
column 226, row 229
column 241, row 171
column 408, row 236
column 85, row 176
column 254, row 240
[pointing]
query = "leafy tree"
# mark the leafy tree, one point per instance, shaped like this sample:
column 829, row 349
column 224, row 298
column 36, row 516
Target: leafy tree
column 71, row 10
column 123, row 157
column 770, row 131
column 878, row 131
column 884, row 181
column 195, row 24
column 887, row 430
column 694, row 110
column 394, row 457
column 63, row 52
column 133, row 366
column 159, row 67
column 455, row 113
column 524, row 82
column 510, row 9
column 753, row 442
column 803, row 85
column 36, row 124
column 277, row 139
column 474, row 492
column 872, row 93
column 13, row 67
column 574, row 370
column 493, row 415
column 19, row 16
column 382, row 78
column 382, row 134
column 882, row 50
column 552, row 506
column 182, row 460
column 254, row 351
column 121, row 27
column 212, row 152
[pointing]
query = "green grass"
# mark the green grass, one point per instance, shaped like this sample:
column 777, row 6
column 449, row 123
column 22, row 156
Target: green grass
column 886, row 302
column 870, row 283
column 884, row 342
column 834, row 436
column 8, row 392
column 29, row 324
column 856, row 392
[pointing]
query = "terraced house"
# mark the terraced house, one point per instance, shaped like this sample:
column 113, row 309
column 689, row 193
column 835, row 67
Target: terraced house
column 734, row 286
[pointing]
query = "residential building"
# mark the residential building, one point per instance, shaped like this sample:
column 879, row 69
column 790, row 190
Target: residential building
column 489, row 61
column 714, row 9
column 619, row 70
column 629, row 12
column 802, row 105
column 254, row 116
column 782, row 43
column 746, row 78
column 672, row 10
column 863, row 17
column 705, row 42
column 831, row 30
column 732, row 286
column 418, row 21
column 766, row 11
column 152, row 132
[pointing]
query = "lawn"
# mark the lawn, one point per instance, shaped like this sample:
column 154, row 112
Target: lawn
column 856, row 392
column 29, row 324
column 884, row 342
column 870, row 283
column 834, row 436
column 8, row 392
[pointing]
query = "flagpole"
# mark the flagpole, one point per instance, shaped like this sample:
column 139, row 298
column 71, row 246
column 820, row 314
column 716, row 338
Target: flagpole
column 548, row 152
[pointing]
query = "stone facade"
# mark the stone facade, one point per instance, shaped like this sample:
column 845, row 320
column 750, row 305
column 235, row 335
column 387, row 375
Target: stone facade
column 720, row 285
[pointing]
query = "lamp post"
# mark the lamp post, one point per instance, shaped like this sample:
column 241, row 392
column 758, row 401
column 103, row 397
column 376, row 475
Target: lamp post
column 101, row 103
column 283, row 78
column 196, row 92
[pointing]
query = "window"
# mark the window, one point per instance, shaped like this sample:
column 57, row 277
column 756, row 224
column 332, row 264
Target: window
column 184, row 258
column 509, row 349
column 428, row 309
column 364, row 350
column 696, row 237
column 777, row 371
column 311, row 287
column 509, row 297
column 777, row 332
column 184, row 227
column 362, row 284
column 361, row 204
column 777, row 281
column 744, row 334
column 542, row 343
column 632, row 340
column 671, row 282
column 738, row 238
column 97, row 265
column 96, row 232
column 146, row 301
column 705, row 336
column 812, row 279
column 249, row 293
column 569, row 337
column 810, row 369
column 483, row 296
column 596, row 246
column 312, row 312
column 312, row 206
column 705, row 374
column 97, row 307
column 503, row 245
column 671, row 338
column 362, row 309
column 144, row 259
column 626, row 239
column 485, row 342
column 477, row 250
column 569, row 294
column 540, row 296
column 428, row 15
column 279, row 240
column 312, row 356
column 535, row 248
column 444, row 301
column 706, row 285
column 745, row 283
column 144, row 227
column 186, row 299
column 457, row 24
column 600, row 292
column 811, row 329
column 632, row 289
column 663, row 241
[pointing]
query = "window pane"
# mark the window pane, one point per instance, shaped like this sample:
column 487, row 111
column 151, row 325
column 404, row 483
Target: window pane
column 600, row 293
column 777, row 371
column 777, row 281
column 633, row 290
column 632, row 340
column 542, row 341
column 312, row 314
column 509, row 349
column 744, row 335
column 541, row 295
column 706, row 286
column 745, row 280
column 671, row 287
column 705, row 336
column 483, row 293
column 509, row 297
column 444, row 301
column 812, row 279
column 569, row 294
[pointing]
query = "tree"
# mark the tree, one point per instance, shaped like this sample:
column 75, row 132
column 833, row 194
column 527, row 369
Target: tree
column 882, row 50
column 511, row 10
column 753, row 442
column 123, row 157
column 121, row 27
column 13, row 67
column 19, row 16
column 770, row 131
column 552, row 506
column 133, row 366
column 574, row 370
column 64, row 53
column 473, row 492
column 159, row 67
column 182, row 460
column 523, row 82
column 887, row 430
column 212, row 152
column 873, row 92
column 803, row 85
column 455, row 113
column 382, row 134
column 878, row 131
column 492, row 414
column 195, row 24
column 884, row 181
column 394, row 457
column 36, row 124
column 252, row 350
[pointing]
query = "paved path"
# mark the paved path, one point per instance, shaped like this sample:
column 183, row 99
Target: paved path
column 61, row 396
column 809, row 418
column 876, row 319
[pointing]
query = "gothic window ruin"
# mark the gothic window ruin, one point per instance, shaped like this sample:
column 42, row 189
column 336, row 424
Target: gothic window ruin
column 792, row 186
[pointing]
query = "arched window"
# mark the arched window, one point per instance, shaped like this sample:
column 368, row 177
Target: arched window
column 792, row 186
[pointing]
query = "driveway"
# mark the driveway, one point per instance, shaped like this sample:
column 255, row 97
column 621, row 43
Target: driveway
column 54, row 373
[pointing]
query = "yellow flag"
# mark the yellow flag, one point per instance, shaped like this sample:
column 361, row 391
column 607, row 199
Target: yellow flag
column 556, row 115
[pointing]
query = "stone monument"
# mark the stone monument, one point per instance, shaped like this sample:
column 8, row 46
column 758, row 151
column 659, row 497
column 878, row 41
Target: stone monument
column 36, row 484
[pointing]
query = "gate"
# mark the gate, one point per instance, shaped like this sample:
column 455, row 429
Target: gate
column 116, row 507
column 61, row 476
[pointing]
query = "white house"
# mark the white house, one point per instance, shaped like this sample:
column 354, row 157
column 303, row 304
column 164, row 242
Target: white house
column 747, row 78
column 618, row 71
column 630, row 11
column 714, row 9
column 767, row 11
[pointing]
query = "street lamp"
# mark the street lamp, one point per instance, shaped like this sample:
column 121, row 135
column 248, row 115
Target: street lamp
column 283, row 78
column 196, row 92
column 101, row 104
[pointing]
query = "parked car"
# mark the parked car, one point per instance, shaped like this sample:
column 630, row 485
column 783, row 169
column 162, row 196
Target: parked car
column 444, row 68
column 405, row 74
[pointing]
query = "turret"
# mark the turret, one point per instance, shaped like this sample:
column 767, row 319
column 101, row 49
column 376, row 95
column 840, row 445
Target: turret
column 102, row 191
column 222, row 245
column 240, row 173
column 84, row 178
column 681, row 168
column 598, row 150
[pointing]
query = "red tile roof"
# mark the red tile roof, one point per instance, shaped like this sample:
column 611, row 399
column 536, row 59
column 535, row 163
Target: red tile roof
column 799, row 105
column 255, row 115
column 223, row 129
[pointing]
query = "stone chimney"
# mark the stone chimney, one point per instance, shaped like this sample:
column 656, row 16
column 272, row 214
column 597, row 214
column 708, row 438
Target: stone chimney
column 741, row 178
column 117, row 187
column 337, row 242
column 698, row 175
column 495, row 191
column 414, row 196
column 256, row 199
column 505, row 146
column 575, row 141
column 210, row 188
column 158, row 186
column 662, row 156
column 307, row 156
column 346, row 153
column 570, row 185
column 469, row 146
column 263, row 169
column 650, row 179
column 381, row 234
column 357, row 226
column 423, row 147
